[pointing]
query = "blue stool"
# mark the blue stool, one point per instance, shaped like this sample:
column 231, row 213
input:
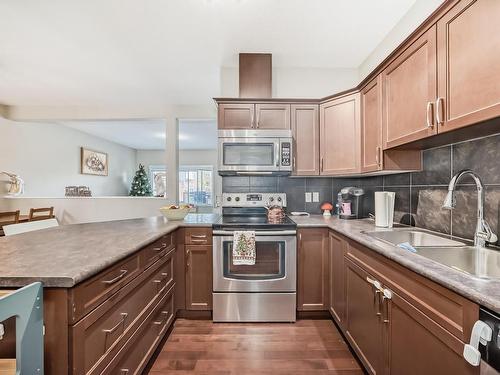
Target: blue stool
column 26, row 305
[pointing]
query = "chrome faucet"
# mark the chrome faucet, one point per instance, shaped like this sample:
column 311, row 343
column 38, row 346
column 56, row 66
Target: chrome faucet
column 483, row 233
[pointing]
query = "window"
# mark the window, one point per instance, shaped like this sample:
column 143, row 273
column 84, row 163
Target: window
column 158, row 178
column 196, row 185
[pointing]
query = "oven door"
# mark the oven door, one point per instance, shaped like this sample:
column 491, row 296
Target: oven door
column 274, row 269
column 249, row 155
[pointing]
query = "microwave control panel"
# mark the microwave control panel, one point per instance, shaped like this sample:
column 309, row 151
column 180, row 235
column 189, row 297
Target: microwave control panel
column 285, row 154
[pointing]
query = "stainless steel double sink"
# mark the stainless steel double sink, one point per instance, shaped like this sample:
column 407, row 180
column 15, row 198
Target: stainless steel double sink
column 478, row 262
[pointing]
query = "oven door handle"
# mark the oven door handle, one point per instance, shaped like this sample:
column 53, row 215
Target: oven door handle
column 258, row 233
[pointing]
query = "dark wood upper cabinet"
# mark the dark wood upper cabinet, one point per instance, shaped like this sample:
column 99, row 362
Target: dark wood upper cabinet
column 337, row 276
column 236, row 116
column 371, row 126
column 340, row 135
column 312, row 265
column 254, row 115
column 409, row 93
column 272, row 116
column 198, row 277
column 305, row 129
column 468, row 45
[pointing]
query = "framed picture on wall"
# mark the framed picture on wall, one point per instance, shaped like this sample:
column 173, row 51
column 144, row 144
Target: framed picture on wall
column 94, row 162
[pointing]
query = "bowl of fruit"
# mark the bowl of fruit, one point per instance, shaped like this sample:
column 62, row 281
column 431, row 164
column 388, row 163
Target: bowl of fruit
column 174, row 212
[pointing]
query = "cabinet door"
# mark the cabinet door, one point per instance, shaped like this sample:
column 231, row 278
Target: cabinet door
column 371, row 126
column 469, row 63
column 340, row 135
column 305, row 128
column 409, row 87
column 272, row 116
column 418, row 345
column 364, row 328
column 236, row 116
column 337, row 277
column 198, row 277
column 312, row 289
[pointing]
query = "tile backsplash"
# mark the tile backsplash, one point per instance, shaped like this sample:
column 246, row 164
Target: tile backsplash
column 419, row 195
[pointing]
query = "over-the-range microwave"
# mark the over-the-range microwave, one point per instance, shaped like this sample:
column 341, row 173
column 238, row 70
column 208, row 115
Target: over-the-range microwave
column 255, row 152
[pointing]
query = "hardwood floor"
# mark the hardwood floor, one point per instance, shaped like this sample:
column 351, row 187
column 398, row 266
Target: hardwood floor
column 199, row 347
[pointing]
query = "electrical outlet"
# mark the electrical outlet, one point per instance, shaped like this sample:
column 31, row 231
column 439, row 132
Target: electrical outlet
column 316, row 196
column 308, row 197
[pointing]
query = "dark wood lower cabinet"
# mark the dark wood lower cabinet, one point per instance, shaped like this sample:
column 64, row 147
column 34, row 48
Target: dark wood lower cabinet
column 312, row 267
column 418, row 345
column 398, row 322
column 336, row 263
column 363, row 328
column 199, row 277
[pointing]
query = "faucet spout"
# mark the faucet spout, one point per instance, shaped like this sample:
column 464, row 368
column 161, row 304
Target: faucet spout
column 483, row 233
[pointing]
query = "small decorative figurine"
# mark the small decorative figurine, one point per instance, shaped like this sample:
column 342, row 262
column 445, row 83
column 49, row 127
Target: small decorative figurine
column 327, row 207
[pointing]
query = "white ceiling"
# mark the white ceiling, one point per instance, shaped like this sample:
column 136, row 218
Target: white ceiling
column 150, row 134
column 97, row 52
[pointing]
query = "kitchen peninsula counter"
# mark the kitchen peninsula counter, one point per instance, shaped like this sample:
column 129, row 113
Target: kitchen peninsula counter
column 69, row 254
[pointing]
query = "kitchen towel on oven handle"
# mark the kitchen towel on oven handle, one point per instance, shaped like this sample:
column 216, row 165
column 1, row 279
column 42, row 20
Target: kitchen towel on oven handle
column 244, row 248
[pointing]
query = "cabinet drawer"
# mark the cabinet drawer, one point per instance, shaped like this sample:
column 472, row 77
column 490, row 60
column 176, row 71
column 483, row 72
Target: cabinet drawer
column 156, row 250
column 97, row 337
column 89, row 294
column 198, row 236
column 139, row 349
column 450, row 310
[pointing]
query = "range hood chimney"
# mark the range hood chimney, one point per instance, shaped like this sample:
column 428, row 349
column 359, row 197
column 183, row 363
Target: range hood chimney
column 255, row 75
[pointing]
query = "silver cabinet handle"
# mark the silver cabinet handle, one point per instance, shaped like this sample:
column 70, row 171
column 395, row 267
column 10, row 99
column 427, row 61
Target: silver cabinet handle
column 198, row 236
column 124, row 371
column 293, row 163
column 439, row 105
column 115, row 279
column 163, row 246
column 386, row 296
column 119, row 324
column 428, row 114
column 258, row 119
column 377, row 155
column 322, row 164
column 252, row 118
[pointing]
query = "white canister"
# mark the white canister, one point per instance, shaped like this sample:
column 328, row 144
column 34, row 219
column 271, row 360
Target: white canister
column 384, row 208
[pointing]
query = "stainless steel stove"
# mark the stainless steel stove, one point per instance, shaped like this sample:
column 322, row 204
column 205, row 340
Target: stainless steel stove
column 265, row 291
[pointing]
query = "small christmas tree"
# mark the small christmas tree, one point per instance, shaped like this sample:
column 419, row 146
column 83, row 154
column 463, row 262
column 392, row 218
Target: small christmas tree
column 140, row 184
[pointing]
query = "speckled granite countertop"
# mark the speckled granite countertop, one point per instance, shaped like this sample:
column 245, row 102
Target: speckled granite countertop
column 68, row 254
column 483, row 292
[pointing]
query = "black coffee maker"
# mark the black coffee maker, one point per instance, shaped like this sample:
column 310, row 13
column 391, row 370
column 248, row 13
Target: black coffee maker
column 350, row 201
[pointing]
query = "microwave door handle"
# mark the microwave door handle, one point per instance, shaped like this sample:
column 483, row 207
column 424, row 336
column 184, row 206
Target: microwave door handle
column 277, row 152
column 258, row 233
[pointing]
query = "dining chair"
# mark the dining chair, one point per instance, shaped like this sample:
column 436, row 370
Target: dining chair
column 41, row 213
column 7, row 218
column 29, row 226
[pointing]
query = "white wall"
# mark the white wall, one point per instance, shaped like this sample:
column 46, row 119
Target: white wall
column 410, row 21
column 47, row 157
column 296, row 82
column 87, row 210
column 151, row 157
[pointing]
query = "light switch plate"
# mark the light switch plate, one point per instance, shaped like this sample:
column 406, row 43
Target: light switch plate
column 308, row 197
column 316, row 196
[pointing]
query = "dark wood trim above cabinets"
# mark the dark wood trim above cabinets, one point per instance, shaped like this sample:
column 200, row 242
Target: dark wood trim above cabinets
column 305, row 130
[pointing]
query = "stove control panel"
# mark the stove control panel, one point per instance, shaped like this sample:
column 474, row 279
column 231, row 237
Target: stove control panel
column 253, row 199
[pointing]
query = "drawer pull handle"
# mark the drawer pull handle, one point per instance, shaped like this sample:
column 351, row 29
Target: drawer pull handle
column 119, row 324
column 198, row 236
column 163, row 246
column 115, row 279
column 199, row 240
column 124, row 371
column 160, row 322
